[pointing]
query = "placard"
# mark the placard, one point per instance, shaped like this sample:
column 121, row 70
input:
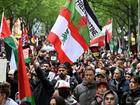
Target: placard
column 3, row 65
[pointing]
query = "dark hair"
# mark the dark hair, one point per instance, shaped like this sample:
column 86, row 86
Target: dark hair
column 89, row 68
column 45, row 61
column 16, row 75
column 127, row 73
column 69, row 68
column 136, row 79
column 25, row 103
column 5, row 88
column 59, row 100
column 68, row 65
column 102, row 83
column 62, row 66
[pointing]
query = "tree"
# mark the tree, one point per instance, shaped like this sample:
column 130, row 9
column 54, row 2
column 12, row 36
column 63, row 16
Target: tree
column 42, row 10
column 123, row 12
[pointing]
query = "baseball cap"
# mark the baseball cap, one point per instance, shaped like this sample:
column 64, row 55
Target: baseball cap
column 99, row 73
column 102, row 83
column 62, row 66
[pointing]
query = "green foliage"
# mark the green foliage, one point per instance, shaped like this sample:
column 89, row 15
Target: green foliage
column 119, row 11
column 47, row 11
column 43, row 10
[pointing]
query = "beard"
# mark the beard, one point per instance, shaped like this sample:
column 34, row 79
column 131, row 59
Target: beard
column 47, row 70
column 62, row 76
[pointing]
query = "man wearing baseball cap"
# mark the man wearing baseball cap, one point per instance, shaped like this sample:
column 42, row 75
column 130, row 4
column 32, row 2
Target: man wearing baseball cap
column 65, row 92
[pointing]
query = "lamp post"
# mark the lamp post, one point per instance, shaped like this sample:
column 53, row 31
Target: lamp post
column 129, row 26
column 138, row 26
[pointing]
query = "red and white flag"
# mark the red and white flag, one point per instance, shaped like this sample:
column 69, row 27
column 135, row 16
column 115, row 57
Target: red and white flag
column 72, row 31
column 99, row 40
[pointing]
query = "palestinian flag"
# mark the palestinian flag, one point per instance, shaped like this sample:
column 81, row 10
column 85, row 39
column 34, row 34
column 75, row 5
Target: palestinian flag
column 25, row 38
column 74, row 27
column 25, row 93
column 10, row 43
column 105, row 36
column 26, row 46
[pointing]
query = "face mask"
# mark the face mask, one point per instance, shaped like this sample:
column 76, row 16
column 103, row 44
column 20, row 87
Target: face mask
column 64, row 93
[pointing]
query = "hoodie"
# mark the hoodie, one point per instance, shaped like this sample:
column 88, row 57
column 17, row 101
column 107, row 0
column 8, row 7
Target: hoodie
column 114, row 94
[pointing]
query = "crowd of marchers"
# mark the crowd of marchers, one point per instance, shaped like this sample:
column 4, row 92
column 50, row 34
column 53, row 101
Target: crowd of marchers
column 111, row 79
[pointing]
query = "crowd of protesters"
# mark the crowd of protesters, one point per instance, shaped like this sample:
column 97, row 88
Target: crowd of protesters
column 111, row 79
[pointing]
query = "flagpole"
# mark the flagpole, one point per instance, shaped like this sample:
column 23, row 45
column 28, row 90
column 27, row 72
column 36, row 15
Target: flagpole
column 106, row 40
column 1, row 23
column 22, row 26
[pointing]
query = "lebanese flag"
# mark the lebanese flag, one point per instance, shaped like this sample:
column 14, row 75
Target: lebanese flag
column 99, row 40
column 71, row 33
column 23, row 81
